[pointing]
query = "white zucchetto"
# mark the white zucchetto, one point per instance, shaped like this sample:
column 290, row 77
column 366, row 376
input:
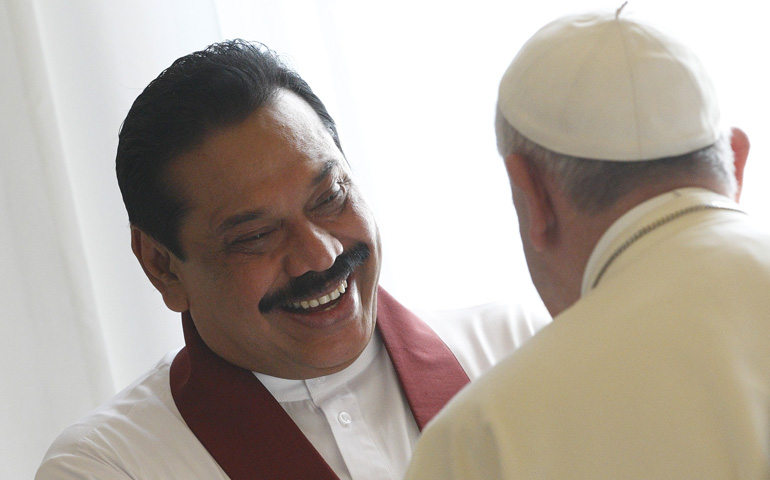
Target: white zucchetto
column 607, row 87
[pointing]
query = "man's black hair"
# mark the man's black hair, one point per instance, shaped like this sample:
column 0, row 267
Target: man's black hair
column 199, row 93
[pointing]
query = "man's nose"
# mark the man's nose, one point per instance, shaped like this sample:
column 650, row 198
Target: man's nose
column 313, row 248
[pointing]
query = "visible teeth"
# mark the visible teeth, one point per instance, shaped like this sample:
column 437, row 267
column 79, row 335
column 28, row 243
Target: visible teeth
column 334, row 295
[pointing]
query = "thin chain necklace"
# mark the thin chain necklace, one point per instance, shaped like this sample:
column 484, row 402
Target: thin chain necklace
column 656, row 224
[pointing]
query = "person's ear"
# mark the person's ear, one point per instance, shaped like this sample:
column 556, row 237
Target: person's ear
column 527, row 184
column 158, row 264
column 739, row 142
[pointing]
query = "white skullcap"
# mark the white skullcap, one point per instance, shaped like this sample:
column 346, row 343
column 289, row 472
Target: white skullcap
column 605, row 87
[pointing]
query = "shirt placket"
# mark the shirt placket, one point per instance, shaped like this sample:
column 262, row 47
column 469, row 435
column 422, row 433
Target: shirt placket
column 353, row 436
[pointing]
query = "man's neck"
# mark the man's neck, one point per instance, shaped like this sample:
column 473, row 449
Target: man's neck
column 577, row 234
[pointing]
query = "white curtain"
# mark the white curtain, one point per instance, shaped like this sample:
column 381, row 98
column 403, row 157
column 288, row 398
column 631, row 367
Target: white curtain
column 78, row 319
column 412, row 85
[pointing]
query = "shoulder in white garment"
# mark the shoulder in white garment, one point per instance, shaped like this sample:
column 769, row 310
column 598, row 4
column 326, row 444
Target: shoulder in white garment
column 122, row 438
column 482, row 335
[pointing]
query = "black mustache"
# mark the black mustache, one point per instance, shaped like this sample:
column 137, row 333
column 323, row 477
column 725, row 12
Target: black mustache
column 315, row 283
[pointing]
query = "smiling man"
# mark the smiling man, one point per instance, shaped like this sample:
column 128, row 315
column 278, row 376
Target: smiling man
column 282, row 224
column 297, row 365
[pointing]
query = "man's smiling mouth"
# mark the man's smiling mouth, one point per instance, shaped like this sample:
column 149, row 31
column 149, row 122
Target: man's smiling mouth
column 320, row 301
column 308, row 292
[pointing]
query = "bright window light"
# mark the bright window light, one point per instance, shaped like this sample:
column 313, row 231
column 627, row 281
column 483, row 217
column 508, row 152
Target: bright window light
column 412, row 85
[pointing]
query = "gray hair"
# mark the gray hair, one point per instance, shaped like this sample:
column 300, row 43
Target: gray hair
column 595, row 185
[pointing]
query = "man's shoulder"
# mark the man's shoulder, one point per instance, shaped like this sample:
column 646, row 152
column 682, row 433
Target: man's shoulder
column 120, row 436
column 482, row 335
column 143, row 402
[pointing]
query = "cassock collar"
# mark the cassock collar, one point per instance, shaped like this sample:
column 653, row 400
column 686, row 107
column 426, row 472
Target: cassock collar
column 247, row 431
column 642, row 218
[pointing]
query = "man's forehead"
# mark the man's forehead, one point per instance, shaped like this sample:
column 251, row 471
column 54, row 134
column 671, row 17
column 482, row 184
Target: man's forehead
column 265, row 146
column 281, row 148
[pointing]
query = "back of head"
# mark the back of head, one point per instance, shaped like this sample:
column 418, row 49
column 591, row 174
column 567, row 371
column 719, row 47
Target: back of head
column 199, row 93
column 608, row 88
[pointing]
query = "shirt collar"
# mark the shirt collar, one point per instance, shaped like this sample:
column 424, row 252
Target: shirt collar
column 288, row 390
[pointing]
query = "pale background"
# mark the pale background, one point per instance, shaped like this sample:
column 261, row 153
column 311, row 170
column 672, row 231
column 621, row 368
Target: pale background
column 412, row 85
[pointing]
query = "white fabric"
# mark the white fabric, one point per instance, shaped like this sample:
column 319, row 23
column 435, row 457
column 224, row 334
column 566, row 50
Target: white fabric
column 624, row 90
column 642, row 216
column 79, row 319
column 358, row 419
column 140, row 433
column 51, row 346
column 659, row 372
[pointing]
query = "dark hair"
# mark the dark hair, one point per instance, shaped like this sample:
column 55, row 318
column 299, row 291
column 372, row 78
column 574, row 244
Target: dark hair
column 199, row 93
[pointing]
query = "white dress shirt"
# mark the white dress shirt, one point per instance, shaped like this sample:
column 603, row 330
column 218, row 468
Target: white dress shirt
column 659, row 371
column 358, row 419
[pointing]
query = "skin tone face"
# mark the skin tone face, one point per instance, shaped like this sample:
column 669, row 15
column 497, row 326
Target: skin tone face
column 282, row 253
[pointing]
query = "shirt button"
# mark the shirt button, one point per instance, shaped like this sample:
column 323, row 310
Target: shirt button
column 319, row 380
column 345, row 419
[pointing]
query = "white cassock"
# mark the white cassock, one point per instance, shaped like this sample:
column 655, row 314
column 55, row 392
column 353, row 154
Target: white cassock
column 660, row 371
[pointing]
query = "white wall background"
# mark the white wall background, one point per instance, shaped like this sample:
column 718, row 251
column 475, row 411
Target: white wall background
column 412, row 85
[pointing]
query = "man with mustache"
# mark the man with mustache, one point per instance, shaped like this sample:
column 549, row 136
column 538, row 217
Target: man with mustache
column 246, row 219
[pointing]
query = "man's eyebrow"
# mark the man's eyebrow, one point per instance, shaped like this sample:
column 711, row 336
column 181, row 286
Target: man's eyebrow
column 243, row 217
column 239, row 218
column 325, row 171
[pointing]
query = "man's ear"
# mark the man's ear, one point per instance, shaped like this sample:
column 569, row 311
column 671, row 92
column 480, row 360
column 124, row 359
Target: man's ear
column 158, row 264
column 527, row 184
column 739, row 142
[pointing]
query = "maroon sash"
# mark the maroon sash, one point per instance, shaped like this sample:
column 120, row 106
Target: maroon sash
column 250, row 435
